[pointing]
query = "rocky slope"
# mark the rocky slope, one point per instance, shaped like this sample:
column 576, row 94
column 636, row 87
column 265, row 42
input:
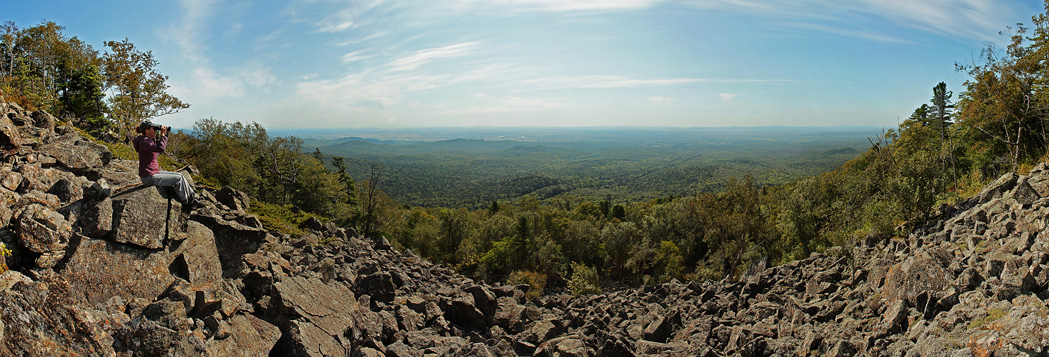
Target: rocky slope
column 103, row 268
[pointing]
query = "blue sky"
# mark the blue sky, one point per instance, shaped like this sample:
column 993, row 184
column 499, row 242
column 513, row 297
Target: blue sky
column 372, row 63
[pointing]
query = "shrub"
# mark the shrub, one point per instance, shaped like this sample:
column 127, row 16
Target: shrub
column 584, row 280
column 281, row 218
column 4, row 253
column 535, row 281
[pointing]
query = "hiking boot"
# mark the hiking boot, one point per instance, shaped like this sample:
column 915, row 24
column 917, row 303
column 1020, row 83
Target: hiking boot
column 191, row 205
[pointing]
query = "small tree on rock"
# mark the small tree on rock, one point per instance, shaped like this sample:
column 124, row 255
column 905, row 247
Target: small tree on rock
column 140, row 92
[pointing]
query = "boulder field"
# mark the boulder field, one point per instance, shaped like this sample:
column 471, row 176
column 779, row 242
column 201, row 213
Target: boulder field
column 102, row 266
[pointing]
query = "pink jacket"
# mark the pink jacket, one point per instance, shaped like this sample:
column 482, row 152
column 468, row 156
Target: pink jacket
column 148, row 150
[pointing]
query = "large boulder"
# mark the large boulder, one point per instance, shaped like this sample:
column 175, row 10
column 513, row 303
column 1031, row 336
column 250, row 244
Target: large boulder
column 39, row 322
column 100, row 269
column 44, row 231
column 97, row 220
column 235, row 200
column 314, row 317
column 10, row 179
column 925, row 274
column 249, row 336
column 43, row 120
column 233, row 240
column 76, row 153
column 994, row 190
column 147, row 216
column 9, row 136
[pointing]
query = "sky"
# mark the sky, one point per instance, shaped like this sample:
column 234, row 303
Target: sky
column 426, row 63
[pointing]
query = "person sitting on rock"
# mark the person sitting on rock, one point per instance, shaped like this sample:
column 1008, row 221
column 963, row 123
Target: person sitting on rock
column 150, row 143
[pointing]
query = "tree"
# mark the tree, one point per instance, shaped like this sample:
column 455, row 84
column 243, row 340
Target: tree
column 1000, row 102
column 140, row 92
column 370, row 191
column 940, row 111
column 51, row 71
column 344, row 178
column 940, row 117
column 7, row 44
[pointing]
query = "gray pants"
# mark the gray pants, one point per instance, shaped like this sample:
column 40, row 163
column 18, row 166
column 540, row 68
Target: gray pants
column 183, row 189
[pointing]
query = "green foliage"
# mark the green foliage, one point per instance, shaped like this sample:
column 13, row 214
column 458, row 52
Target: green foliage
column 638, row 165
column 41, row 67
column 273, row 170
column 669, row 261
column 536, row 282
column 140, row 92
column 4, row 253
column 584, row 280
column 281, row 218
column 993, row 315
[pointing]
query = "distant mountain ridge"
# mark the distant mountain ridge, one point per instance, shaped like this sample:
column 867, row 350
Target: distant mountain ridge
column 591, row 163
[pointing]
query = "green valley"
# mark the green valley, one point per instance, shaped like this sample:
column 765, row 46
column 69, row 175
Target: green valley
column 471, row 167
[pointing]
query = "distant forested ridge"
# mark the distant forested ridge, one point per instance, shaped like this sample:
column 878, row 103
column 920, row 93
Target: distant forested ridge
column 628, row 164
column 637, row 209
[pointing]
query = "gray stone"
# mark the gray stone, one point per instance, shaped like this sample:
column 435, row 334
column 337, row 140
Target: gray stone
column 147, row 218
column 249, row 336
column 77, row 154
column 315, row 316
column 43, row 230
column 98, row 220
column 233, row 199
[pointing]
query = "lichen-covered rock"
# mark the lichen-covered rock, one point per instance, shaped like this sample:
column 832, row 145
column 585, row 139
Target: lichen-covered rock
column 97, row 221
column 235, row 200
column 38, row 322
column 147, row 216
column 44, row 231
column 233, row 239
column 315, row 317
column 248, row 336
column 100, row 269
column 10, row 138
column 43, row 120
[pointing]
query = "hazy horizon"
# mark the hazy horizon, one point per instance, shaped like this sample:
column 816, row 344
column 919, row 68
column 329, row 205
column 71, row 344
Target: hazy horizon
column 489, row 132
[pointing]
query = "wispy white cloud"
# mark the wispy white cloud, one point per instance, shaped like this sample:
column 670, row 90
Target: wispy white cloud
column 570, row 5
column 975, row 19
column 349, row 15
column 208, row 86
column 866, row 34
column 187, row 33
column 366, row 89
column 422, row 57
column 509, row 104
column 661, row 100
column 257, row 76
column 727, row 97
column 624, row 82
column 968, row 18
column 336, row 27
column 368, row 37
column 354, row 56
column 213, row 85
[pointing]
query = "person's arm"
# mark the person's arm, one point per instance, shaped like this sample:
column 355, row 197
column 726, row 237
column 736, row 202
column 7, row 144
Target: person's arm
column 146, row 144
column 162, row 142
